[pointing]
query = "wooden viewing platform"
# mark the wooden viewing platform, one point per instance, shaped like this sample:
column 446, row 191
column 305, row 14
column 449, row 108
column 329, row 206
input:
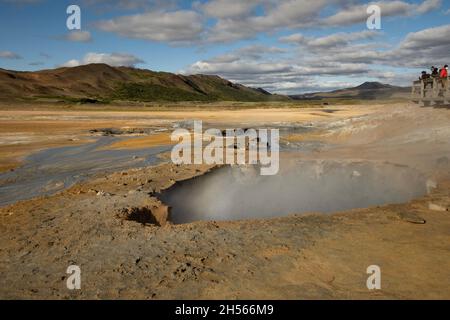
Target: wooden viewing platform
column 432, row 91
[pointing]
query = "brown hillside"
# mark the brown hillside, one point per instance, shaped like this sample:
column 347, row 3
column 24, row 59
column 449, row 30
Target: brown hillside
column 103, row 82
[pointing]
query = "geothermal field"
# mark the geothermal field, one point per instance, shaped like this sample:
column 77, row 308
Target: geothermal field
column 358, row 185
column 224, row 158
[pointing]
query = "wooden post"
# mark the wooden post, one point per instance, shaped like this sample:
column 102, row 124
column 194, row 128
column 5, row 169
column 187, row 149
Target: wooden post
column 436, row 88
column 447, row 91
column 422, row 89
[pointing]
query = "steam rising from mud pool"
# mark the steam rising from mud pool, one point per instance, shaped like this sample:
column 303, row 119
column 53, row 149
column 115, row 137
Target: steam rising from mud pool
column 234, row 193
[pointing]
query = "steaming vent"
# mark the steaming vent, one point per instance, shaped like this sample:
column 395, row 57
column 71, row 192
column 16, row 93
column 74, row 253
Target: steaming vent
column 235, row 193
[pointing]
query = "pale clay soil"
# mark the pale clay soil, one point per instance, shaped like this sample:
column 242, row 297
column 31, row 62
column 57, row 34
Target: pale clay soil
column 308, row 256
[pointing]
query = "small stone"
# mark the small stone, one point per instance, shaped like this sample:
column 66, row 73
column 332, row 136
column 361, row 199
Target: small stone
column 436, row 207
column 412, row 218
column 356, row 174
column 431, row 184
column 103, row 194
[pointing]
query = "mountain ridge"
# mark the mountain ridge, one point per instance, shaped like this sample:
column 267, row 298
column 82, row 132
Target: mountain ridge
column 365, row 91
column 101, row 82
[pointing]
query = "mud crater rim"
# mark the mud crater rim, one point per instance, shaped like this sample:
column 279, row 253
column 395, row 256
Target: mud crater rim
column 233, row 193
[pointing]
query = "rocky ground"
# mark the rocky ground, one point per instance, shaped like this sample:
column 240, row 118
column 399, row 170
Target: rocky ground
column 114, row 227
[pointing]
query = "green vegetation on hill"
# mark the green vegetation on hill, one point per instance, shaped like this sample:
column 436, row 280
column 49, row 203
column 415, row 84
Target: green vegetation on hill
column 153, row 92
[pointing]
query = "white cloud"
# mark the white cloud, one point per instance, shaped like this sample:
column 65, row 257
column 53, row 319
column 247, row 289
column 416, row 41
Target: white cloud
column 297, row 14
column 130, row 4
column 321, row 63
column 428, row 38
column 78, row 36
column 172, row 27
column 273, row 71
column 281, row 14
column 71, row 63
column 309, row 85
column 112, row 59
column 297, row 38
column 429, row 5
column 423, row 48
column 229, row 8
column 252, row 52
column 237, row 68
column 357, row 14
column 333, row 40
column 9, row 55
column 232, row 20
column 417, row 50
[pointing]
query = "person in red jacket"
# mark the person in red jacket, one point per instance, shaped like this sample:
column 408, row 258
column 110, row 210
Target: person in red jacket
column 444, row 72
column 444, row 77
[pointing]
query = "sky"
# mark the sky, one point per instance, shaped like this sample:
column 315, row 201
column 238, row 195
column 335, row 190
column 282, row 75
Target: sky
column 283, row 46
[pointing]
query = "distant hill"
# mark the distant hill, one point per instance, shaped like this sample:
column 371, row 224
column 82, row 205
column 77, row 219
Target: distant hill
column 366, row 91
column 102, row 83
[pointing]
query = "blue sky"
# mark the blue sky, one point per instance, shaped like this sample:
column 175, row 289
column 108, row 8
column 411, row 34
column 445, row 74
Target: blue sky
column 286, row 46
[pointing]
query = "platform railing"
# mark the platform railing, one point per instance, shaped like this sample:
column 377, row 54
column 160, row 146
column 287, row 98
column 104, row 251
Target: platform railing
column 433, row 90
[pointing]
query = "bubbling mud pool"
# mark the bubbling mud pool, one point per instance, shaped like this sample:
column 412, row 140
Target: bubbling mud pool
column 235, row 193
